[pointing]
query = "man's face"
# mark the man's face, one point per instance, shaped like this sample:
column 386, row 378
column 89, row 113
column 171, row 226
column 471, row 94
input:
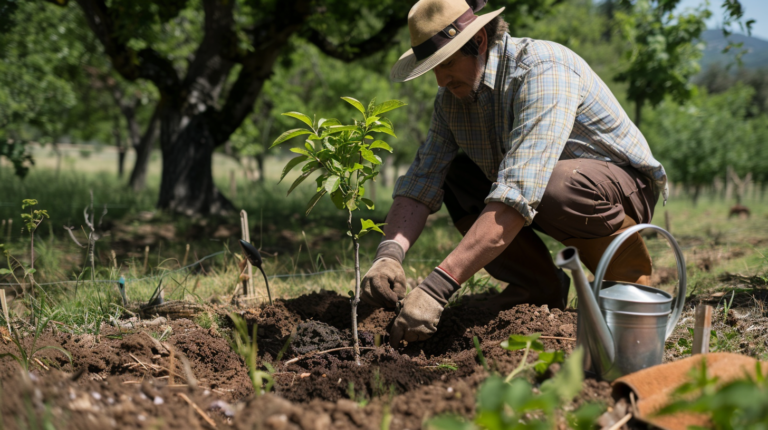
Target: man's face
column 462, row 74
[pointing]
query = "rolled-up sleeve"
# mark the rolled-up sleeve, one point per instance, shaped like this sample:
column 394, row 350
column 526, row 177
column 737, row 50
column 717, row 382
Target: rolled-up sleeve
column 424, row 180
column 545, row 107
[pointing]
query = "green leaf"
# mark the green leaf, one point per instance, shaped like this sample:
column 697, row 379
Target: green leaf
column 370, row 225
column 370, row 120
column 338, row 199
column 332, row 183
column 356, row 166
column 388, row 106
column 355, row 103
column 351, row 203
column 299, row 180
column 339, row 128
column 380, row 144
column 323, row 122
column 384, row 129
column 368, row 203
column 300, row 151
column 547, row 359
column 301, row 117
column 290, row 134
column 517, row 342
column 313, row 201
column 5, row 272
column 370, row 156
column 566, row 384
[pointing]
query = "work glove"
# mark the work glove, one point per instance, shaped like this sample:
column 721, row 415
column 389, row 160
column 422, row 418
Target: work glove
column 420, row 311
column 384, row 284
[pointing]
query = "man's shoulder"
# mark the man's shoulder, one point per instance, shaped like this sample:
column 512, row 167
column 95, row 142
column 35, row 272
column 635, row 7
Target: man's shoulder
column 528, row 52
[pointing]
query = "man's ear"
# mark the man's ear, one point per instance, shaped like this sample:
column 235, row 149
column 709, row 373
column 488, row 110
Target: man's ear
column 481, row 38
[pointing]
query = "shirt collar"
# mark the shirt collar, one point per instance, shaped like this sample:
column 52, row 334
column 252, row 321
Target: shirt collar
column 492, row 65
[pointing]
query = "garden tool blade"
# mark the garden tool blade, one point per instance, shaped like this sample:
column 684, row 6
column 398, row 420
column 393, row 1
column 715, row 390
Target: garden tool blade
column 251, row 253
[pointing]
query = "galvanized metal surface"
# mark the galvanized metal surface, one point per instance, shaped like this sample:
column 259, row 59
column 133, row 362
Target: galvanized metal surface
column 626, row 331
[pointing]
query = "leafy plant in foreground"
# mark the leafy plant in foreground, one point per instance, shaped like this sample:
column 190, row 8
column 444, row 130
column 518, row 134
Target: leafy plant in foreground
column 344, row 156
column 246, row 346
column 738, row 404
column 516, row 405
column 25, row 355
column 517, row 342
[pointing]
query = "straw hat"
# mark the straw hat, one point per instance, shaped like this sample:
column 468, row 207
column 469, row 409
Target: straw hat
column 438, row 29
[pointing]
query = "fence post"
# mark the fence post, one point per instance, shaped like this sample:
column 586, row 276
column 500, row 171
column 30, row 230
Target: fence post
column 667, row 222
column 246, row 236
column 701, row 329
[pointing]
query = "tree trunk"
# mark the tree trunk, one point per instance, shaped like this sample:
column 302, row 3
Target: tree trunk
column 696, row 192
column 260, row 163
column 143, row 150
column 187, row 180
column 120, row 148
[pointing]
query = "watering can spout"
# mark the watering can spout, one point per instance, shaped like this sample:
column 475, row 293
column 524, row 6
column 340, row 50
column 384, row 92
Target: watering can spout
column 593, row 331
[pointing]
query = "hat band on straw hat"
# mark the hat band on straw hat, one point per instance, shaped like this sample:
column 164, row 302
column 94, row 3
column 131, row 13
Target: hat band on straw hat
column 434, row 43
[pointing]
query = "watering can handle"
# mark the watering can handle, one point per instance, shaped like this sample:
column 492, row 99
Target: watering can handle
column 602, row 267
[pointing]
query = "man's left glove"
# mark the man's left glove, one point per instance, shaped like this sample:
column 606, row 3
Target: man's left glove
column 421, row 309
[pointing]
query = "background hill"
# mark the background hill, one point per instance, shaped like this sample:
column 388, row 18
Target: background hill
column 756, row 57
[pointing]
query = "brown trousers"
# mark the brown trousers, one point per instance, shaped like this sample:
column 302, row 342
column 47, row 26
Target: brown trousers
column 586, row 203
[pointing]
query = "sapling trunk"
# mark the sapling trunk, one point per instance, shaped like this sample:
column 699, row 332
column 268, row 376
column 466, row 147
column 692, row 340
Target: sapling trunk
column 356, row 299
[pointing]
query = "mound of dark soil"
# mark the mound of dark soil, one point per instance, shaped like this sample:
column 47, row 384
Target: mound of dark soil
column 121, row 378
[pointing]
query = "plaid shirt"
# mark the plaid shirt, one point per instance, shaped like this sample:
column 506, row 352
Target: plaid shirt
column 538, row 103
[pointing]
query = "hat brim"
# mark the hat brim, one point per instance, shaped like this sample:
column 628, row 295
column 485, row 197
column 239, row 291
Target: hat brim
column 407, row 67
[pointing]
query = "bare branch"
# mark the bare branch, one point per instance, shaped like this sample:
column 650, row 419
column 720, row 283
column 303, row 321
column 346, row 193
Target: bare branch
column 373, row 44
column 132, row 65
column 72, row 235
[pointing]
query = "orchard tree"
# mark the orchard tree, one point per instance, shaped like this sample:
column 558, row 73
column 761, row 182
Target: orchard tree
column 664, row 48
column 209, row 61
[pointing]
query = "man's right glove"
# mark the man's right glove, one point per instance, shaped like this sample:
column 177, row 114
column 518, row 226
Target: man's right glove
column 422, row 308
column 384, row 284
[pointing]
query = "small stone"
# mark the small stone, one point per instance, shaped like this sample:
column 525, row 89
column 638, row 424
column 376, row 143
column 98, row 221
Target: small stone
column 277, row 422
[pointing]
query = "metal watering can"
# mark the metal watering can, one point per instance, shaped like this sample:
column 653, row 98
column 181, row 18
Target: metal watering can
column 623, row 325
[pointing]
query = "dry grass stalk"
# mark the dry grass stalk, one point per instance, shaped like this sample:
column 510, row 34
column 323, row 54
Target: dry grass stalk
column 197, row 409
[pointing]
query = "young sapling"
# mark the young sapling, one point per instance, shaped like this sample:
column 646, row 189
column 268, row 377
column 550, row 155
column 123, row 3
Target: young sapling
column 344, row 156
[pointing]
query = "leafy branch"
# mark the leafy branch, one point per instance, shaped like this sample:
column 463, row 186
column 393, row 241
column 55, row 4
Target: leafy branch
column 345, row 157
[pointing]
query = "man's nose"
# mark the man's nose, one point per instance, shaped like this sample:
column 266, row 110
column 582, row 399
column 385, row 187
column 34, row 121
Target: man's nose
column 443, row 78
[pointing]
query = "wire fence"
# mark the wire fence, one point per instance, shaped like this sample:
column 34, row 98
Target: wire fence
column 170, row 272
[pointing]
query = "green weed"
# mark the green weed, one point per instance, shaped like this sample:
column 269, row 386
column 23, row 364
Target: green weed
column 246, row 346
column 24, row 355
column 516, row 405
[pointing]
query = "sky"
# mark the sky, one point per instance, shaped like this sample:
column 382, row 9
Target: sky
column 753, row 9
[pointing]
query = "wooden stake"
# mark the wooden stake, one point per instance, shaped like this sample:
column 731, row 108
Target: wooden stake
column 667, row 222
column 701, row 330
column 171, row 366
column 10, row 230
column 114, row 259
column 146, row 258
column 3, row 228
column 246, row 236
column 186, row 255
column 4, row 305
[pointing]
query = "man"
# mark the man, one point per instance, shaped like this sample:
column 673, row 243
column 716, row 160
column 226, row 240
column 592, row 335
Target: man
column 524, row 136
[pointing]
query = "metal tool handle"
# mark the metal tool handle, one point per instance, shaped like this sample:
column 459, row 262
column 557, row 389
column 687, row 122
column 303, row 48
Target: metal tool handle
column 602, row 267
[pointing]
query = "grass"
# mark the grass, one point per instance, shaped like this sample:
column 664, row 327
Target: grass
column 293, row 246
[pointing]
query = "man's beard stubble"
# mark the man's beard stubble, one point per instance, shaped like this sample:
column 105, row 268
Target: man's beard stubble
column 479, row 74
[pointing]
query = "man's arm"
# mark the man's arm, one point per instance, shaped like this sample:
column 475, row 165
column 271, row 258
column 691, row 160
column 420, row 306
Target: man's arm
column 405, row 221
column 494, row 230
